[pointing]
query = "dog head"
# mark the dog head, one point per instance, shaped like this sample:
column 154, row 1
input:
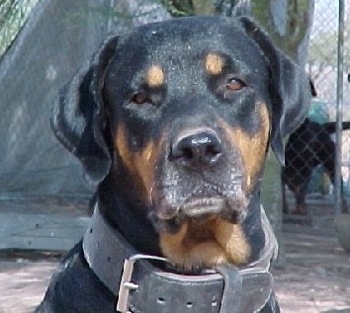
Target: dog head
column 184, row 111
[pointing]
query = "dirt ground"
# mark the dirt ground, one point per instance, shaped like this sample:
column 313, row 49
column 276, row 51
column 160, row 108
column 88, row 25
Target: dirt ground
column 316, row 273
column 315, row 276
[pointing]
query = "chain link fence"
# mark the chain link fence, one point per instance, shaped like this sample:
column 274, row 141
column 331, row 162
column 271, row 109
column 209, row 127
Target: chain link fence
column 32, row 162
column 58, row 38
column 311, row 150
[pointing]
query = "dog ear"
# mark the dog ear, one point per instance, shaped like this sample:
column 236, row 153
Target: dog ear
column 289, row 88
column 78, row 118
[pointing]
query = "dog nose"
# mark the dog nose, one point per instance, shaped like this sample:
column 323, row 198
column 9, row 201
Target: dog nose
column 197, row 151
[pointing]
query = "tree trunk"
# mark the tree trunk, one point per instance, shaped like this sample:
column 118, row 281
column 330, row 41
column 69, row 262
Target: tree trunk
column 288, row 22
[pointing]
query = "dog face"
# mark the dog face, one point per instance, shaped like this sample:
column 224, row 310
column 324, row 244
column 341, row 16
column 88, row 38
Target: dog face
column 190, row 118
column 184, row 111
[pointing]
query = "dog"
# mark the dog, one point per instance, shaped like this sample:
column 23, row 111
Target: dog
column 172, row 124
column 308, row 146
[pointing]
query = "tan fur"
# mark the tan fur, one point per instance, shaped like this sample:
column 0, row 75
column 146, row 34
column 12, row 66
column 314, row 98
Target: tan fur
column 214, row 64
column 251, row 148
column 141, row 164
column 232, row 238
column 155, row 76
column 205, row 244
column 213, row 241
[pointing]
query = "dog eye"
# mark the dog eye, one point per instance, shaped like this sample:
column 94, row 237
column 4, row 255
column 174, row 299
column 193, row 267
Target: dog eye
column 235, row 84
column 140, row 98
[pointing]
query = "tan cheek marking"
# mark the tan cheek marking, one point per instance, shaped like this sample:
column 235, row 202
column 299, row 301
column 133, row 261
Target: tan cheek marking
column 214, row 64
column 252, row 148
column 214, row 242
column 232, row 238
column 141, row 164
column 155, row 76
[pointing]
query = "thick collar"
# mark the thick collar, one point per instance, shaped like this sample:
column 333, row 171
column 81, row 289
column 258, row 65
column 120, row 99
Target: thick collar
column 141, row 287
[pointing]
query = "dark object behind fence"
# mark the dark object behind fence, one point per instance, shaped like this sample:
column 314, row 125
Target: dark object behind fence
column 309, row 146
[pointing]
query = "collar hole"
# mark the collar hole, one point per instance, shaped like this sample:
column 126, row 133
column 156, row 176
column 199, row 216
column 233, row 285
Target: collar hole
column 161, row 301
column 189, row 304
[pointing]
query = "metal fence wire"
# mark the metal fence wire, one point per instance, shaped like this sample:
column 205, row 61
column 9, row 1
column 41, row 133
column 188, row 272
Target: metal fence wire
column 58, row 38
column 45, row 59
column 308, row 178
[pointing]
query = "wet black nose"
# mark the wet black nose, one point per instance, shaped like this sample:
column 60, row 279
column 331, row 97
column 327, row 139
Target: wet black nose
column 197, row 151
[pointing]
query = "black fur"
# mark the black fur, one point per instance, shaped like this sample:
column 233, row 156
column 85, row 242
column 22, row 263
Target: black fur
column 108, row 116
column 308, row 146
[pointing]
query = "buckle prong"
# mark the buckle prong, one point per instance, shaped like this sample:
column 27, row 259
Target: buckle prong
column 126, row 285
column 131, row 286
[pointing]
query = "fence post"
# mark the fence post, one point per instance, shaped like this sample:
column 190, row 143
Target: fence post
column 339, row 109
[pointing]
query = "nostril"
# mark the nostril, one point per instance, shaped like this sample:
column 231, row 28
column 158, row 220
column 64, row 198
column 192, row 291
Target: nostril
column 180, row 151
column 212, row 150
column 198, row 150
column 186, row 152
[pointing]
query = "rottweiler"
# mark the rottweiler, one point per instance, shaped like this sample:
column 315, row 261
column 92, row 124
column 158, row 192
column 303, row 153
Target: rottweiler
column 172, row 124
column 308, row 146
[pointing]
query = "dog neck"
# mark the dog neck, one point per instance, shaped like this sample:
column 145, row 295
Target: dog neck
column 252, row 227
column 126, row 217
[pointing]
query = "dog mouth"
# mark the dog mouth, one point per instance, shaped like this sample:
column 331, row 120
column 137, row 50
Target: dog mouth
column 205, row 232
column 179, row 198
column 201, row 228
column 169, row 215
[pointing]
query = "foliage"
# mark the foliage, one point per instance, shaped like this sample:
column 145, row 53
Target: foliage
column 179, row 8
column 13, row 14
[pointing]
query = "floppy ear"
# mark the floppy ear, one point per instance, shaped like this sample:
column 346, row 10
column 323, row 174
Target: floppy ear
column 78, row 118
column 289, row 88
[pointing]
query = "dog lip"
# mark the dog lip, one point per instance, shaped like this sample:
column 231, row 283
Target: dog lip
column 197, row 207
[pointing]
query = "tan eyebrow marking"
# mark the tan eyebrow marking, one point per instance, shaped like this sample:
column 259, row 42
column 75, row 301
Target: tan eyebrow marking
column 155, row 76
column 214, row 64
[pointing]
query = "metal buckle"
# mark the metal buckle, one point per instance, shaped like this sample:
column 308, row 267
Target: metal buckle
column 126, row 285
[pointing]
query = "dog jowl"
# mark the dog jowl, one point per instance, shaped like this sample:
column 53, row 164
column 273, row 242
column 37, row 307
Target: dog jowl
column 172, row 124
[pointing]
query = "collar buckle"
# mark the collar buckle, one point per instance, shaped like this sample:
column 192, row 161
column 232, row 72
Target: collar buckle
column 126, row 285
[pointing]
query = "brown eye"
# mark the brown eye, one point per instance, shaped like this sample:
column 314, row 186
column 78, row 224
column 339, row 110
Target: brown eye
column 235, row 84
column 139, row 98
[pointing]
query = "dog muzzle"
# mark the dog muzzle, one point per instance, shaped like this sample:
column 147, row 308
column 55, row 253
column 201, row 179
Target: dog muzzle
column 141, row 287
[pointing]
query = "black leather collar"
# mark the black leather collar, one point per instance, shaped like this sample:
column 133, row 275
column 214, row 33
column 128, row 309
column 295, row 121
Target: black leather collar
column 144, row 288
